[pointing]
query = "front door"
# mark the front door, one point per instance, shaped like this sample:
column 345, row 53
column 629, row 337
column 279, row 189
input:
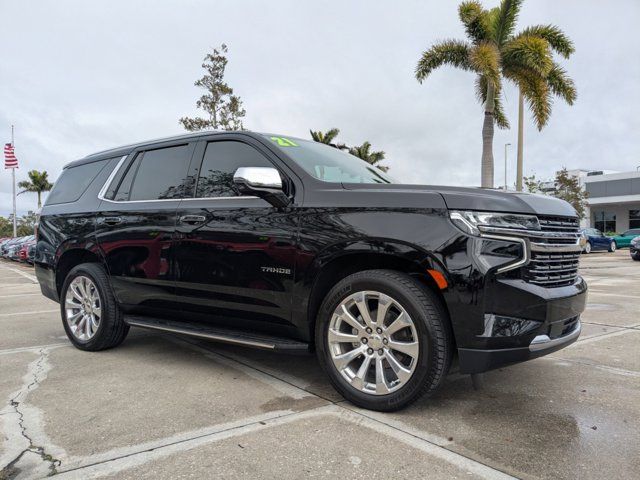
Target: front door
column 135, row 226
column 235, row 255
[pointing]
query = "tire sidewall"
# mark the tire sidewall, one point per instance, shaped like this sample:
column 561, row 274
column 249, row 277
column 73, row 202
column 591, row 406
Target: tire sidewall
column 427, row 350
column 587, row 248
column 614, row 246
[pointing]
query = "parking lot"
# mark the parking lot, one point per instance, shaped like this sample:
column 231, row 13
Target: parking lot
column 162, row 406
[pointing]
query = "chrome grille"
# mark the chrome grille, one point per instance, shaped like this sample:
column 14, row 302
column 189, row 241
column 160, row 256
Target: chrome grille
column 558, row 224
column 554, row 251
column 552, row 269
column 555, row 254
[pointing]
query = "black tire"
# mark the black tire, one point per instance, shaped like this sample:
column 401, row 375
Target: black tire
column 613, row 246
column 432, row 327
column 111, row 330
column 636, row 257
column 587, row 248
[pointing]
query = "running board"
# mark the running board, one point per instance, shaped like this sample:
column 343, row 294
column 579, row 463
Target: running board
column 219, row 334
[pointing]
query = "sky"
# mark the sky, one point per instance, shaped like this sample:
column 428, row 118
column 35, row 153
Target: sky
column 77, row 77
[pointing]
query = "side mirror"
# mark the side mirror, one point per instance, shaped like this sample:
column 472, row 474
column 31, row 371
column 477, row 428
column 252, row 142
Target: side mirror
column 263, row 182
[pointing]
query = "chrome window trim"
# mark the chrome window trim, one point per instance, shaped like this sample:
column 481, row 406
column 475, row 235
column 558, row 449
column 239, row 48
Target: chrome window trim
column 112, row 175
column 107, row 184
column 525, row 257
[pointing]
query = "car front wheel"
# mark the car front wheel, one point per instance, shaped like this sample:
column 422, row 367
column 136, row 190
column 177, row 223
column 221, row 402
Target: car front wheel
column 587, row 248
column 613, row 247
column 90, row 315
column 383, row 339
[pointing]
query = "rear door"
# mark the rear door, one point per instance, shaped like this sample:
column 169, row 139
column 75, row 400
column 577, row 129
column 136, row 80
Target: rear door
column 135, row 224
column 235, row 254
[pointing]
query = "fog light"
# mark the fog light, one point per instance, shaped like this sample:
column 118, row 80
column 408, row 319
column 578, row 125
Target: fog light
column 503, row 326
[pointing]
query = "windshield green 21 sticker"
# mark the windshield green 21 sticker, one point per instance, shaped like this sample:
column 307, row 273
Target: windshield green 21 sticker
column 284, row 142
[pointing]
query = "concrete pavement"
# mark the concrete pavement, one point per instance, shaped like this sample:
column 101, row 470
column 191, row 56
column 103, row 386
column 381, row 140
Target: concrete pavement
column 168, row 406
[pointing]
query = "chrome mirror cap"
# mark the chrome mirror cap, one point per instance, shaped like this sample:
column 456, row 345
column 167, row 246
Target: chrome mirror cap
column 262, row 178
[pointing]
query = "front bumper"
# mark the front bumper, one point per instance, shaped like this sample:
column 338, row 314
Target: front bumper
column 523, row 322
column 478, row 361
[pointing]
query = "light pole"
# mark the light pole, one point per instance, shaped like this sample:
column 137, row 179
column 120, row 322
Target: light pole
column 505, row 165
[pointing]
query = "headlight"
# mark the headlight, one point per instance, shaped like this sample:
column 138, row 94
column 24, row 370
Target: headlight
column 476, row 222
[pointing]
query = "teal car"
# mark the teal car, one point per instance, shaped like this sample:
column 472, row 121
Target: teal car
column 624, row 239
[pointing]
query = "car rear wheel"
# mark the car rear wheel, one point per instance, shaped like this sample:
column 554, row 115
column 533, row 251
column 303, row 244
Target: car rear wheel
column 90, row 315
column 587, row 247
column 636, row 257
column 383, row 339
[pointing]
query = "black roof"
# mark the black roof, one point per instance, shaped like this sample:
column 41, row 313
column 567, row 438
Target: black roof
column 126, row 149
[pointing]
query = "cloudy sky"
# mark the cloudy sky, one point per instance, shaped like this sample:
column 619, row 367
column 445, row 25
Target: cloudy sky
column 77, row 77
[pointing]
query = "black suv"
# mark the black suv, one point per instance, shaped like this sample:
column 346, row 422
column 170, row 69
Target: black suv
column 286, row 244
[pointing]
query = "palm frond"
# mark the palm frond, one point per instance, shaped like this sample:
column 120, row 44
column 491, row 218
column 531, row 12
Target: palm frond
column 528, row 52
column 561, row 84
column 505, row 22
column 552, row 34
column 447, row 52
column 485, row 59
column 498, row 110
column 537, row 93
column 474, row 19
column 331, row 135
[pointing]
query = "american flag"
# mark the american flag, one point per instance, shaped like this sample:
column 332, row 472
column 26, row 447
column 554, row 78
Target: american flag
column 10, row 160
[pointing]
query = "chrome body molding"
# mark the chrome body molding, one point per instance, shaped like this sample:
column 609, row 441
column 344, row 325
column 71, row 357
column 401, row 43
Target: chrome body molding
column 543, row 342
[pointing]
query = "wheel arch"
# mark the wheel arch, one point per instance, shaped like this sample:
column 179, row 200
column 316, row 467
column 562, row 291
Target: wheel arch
column 72, row 254
column 329, row 269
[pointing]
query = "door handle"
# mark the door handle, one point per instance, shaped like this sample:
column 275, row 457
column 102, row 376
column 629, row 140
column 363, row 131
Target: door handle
column 192, row 219
column 112, row 220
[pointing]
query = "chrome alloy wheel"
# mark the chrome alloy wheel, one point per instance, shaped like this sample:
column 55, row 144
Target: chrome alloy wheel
column 82, row 308
column 373, row 342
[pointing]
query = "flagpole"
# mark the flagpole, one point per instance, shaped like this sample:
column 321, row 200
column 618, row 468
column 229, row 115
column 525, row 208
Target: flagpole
column 13, row 184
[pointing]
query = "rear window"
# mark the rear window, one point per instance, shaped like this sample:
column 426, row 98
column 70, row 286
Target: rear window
column 74, row 181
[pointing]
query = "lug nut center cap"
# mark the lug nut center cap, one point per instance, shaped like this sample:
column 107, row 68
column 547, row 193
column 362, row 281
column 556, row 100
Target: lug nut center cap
column 375, row 342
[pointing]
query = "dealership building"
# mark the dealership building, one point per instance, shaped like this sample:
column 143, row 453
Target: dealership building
column 614, row 200
column 613, row 204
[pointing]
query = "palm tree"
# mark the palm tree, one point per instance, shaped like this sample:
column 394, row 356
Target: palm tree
column 364, row 152
column 327, row 138
column 39, row 182
column 493, row 52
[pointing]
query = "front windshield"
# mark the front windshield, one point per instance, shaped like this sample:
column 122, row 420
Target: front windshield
column 329, row 164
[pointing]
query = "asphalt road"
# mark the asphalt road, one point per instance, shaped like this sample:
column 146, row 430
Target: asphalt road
column 162, row 406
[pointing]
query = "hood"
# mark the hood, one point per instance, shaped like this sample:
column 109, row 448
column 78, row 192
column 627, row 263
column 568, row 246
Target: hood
column 484, row 199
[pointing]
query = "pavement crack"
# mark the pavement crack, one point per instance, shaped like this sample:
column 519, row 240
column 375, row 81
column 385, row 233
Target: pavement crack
column 38, row 374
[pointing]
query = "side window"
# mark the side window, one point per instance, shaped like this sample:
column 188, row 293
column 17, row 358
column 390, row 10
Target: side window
column 157, row 175
column 74, row 181
column 221, row 160
column 125, row 185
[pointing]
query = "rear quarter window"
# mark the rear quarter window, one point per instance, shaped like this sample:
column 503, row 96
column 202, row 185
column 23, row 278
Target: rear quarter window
column 73, row 182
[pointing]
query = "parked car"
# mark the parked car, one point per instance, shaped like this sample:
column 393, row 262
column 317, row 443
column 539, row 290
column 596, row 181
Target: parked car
column 624, row 239
column 597, row 241
column 8, row 247
column 291, row 245
column 31, row 254
column 14, row 250
column 23, row 253
column 634, row 248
